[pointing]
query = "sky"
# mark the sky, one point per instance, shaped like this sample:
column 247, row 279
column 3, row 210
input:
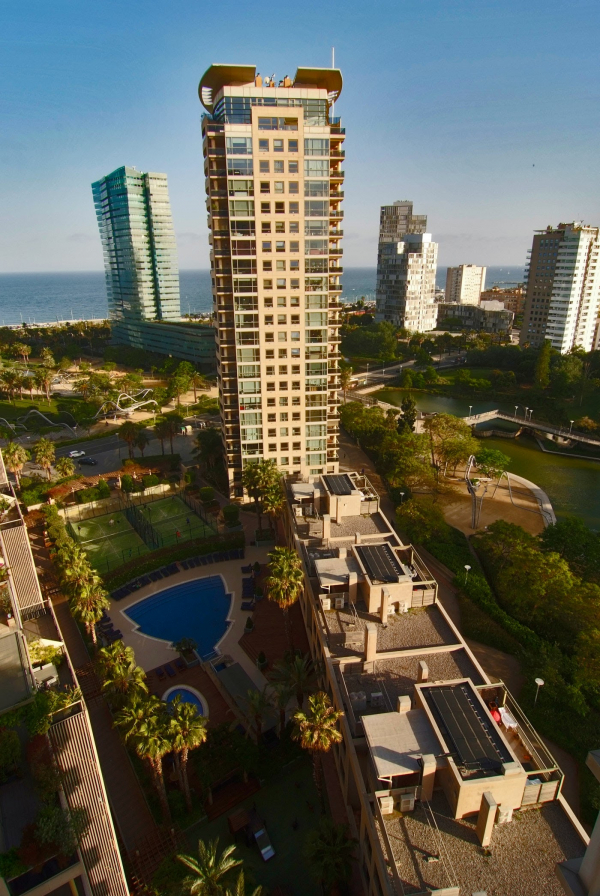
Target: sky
column 484, row 113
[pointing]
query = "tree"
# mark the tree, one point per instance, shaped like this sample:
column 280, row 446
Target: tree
column 15, row 456
column 129, row 431
column 65, row 466
column 577, row 544
column 43, row 381
column 22, row 350
column 88, row 607
column 122, row 678
column 422, row 520
column 209, row 447
column 316, row 730
column 297, row 674
column 10, row 381
column 282, row 694
column 240, row 889
column 144, row 724
column 162, row 431
column 197, row 381
column 142, row 440
column 330, row 851
column 48, row 358
column 211, row 871
column 44, row 454
column 187, row 731
column 491, row 462
column 450, row 441
column 178, row 385
column 273, row 503
column 259, row 703
column 542, row 366
column 257, row 477
column 408, row 417
column 285, row 582
column 345, row 377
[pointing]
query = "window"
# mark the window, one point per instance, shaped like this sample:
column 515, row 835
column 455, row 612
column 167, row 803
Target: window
column 316, row 247
column 283, row 352
column 280, row 208
column 241, row 188
column 283, row 402
column 282, row 319
column 295, row 301
column 294, row 225
column 265, row 186
column 241, row 208
column 316, row 187
column 293, row 167
column 266, row 227
column 238, row 146
column 282, row 369
column 277, row 145
column 295, row 319
column 281, row 302
column 294, row 284
column 279, row 226
column 270, row 354
column 270, row 402
column 278, row 124
column 292, row 146
column 296, row 401
column 316, row 209
column 242, row 228
column 281, row 283
column 295, row 336
column 267, row 266
column 280, row 265
column 278, row 186
column 283, row 417
column 282, row 336
column 272, row 448
column 316, row 147
column 264, row 167
column 284, row 461
column 280, row 245
column 296, row 416
column 316, row 168
column 316, row 228
column 278, row 167
column 268, row 320
column 266, row 246
column 270, row 371
column 294, row 246
column 263, row 145
column 267, row 284
column 294, row 208
column 270, row 387
column 294, row 265
column 268, row 302
column 272, row 433
column 283, row 386
column 271, row 418
column 265, row 208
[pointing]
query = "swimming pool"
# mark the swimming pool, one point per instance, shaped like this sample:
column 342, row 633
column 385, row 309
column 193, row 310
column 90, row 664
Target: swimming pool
column 188, row 695
column 196, row 609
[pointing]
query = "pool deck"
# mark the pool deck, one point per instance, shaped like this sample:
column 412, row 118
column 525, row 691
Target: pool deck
column 152, row 652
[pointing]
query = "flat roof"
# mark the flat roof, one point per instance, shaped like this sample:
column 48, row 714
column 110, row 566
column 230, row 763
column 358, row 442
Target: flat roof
column 340, row 484
column 14, row 681
column 397, row 741
column 380, row 562
column 335, row 570
column 469, row 734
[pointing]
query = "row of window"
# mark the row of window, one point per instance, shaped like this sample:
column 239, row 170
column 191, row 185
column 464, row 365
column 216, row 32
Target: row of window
column 248, row 229
column 244, row 208
column 242, row 146
column 250, row 303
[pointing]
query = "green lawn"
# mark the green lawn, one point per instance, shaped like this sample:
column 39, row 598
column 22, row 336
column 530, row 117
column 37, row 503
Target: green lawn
column 57, row 410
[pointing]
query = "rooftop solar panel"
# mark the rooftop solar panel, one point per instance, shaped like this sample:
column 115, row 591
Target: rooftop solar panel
column 380, row 563
column 339, row 484
column 468, row 732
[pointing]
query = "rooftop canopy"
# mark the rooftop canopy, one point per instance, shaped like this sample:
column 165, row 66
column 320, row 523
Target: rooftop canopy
column 218, row 76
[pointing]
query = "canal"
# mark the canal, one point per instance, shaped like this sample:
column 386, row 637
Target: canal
column 572, row 484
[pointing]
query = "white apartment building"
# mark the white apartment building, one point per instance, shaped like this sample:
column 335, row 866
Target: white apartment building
column 464, row 284
column 272, row 159
column 563, row 288
column 406, row 282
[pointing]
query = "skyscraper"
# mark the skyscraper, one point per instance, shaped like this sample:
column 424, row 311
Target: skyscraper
column 273, row 156
column 562, row 287
column 406, row 266
column 464, row 284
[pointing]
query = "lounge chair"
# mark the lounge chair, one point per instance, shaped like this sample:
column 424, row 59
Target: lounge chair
column 145, row 580
column 247, row 569
column 185, row 564
column 173, row 568
column 180, row 665
column 170, row 670
column 160, row 673
column 247, row 606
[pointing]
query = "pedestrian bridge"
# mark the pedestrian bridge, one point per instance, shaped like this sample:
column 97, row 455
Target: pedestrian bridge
column 529, row 423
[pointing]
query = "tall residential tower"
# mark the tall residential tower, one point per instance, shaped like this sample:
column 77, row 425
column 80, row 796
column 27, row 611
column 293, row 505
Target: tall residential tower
column 272, row 160
column 140, row 262
column 406, row 266
column 464, row 284
column 563, row 287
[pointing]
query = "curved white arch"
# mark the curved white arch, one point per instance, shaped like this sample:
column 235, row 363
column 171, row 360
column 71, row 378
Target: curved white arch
column 194, row 691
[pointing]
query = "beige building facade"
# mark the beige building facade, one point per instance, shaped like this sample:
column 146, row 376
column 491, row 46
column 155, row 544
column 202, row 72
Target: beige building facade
column 273, row 163
column 464, row 284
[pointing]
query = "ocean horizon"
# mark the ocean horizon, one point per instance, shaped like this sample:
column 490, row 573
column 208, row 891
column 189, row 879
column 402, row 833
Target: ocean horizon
column 81, row 295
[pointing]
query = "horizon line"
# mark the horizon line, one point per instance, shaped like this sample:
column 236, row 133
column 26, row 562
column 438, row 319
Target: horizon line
column 207, row 270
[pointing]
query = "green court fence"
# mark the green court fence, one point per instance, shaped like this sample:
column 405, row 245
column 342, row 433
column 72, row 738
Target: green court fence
column 144, row 529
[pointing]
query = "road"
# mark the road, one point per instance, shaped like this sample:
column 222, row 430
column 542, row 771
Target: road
column 383, row 374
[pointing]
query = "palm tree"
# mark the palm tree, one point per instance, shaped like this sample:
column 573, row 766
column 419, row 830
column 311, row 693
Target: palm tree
column 239, row 888
column 330, row 851
column 282, row 694
column 285, row 582
column 65, row 466
column 22, row 349
column 112, row 655
column 10, row 381
column 211, row 870
column 43, row 380
column 144, row 724
column 88, row 607
column 142, row 440
column 209, row 447
column 44, row 453
column 15, row 456
column 128, row 431
column 124, row 679
column 273, row 503
column 258, row 477
column 162, row 431
column 197, row 381
column 259, row 703
column 187, row 731
column 345, row 378
column 317, row 732
column 48, row 358
column 296, row 673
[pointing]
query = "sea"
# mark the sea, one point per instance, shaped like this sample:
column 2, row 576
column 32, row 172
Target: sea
column 47, row 298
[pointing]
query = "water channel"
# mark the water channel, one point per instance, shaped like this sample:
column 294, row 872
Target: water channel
column 572, row 484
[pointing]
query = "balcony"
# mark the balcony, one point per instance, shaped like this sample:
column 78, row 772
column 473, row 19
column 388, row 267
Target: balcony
column 337, row 175
column 216, row 172
column 336, row 195
column 335, row 287
column 335, row 233
column 336, row 250
column 336, row 214
column 337, row 154
column 215, row 151
column 336, row 269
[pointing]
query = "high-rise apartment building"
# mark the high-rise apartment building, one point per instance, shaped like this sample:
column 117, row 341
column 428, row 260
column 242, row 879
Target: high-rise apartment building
column 273, row 155
column 464, row 284
column 140, row 262
column 406, row 266
column 562, row 287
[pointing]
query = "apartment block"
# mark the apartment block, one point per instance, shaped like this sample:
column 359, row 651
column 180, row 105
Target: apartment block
column 273, row 156
column 464, row 284
column 67, row 751
column 406, row 282
column 489, row 317
column 563, row 288
column 398, row 219
column 141, row 269
column 512, row 297
column 436, row 758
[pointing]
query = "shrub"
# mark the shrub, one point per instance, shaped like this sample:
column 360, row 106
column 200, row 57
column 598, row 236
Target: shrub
column 10, row 864
column 207, row 494
column 150, row 480
column 128, row 483
column 231, row 514
column 10, row 752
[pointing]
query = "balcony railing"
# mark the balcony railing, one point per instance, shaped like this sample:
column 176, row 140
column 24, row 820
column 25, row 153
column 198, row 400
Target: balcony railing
column 337, row 154
column 339, row 175
column 336, row 194
column 333, row 213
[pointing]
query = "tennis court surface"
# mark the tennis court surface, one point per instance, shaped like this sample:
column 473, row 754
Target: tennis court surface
column 174, row 521
column 109, row 540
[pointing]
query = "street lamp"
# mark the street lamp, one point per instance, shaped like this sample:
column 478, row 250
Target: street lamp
column 470, row 409
column 571, row 426
column 467, row 568
column 540, row 684
column 401, row 498
column 516, row 409
column 526, row 409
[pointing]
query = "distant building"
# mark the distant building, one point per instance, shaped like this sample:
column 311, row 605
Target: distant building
column 406, row 266
column 490, row 317
column 563, row 288
column 513, row 298
column 464, row 284
column 140, row 261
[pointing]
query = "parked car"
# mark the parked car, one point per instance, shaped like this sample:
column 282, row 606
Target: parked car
column 76, row 453
column 88, row 461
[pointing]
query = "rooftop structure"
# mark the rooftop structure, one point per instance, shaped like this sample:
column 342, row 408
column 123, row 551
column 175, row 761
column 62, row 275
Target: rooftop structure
column 435, row 758
column 273, row 166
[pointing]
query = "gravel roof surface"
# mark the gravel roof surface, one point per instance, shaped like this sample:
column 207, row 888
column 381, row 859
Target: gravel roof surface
column 423, row 627
column 523, row 852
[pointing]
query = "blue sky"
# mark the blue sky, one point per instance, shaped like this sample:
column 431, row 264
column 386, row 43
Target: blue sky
column 485, row 114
